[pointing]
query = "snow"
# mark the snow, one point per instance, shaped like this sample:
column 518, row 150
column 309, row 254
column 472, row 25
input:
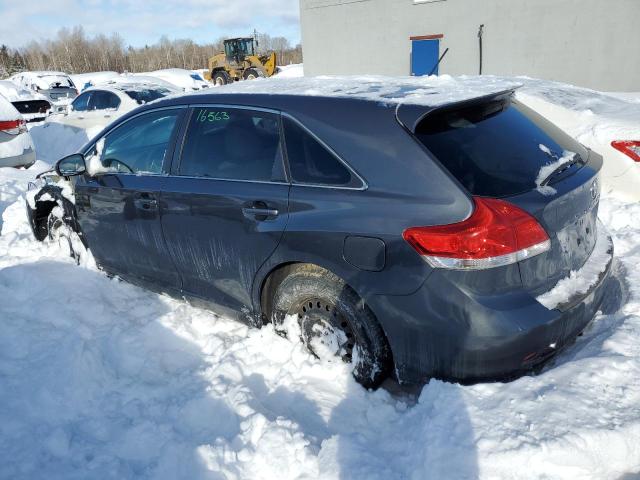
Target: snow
column 290, row 71
column 8, row 111
column 15, row 93
column 102, row 379
column 180, row 78
column 46, row 79
column 547, row 169
column 429, row 91
column 54, row 141
column 81, row 80
column 578, row 282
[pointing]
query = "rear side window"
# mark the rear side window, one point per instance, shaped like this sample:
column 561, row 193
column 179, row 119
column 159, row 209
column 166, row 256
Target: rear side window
column 311, row 163
column 233, row 144
column 494, row 149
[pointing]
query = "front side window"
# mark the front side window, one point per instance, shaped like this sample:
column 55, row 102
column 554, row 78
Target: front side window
column 234, row 144
column 81, row 103
column 138, row 146
column 311, row 163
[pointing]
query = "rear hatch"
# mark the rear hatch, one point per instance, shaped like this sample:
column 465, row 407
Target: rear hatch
column 495, row 147
column 32, row 108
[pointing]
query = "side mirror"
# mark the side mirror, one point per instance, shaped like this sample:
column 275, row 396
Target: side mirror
column 71, row 166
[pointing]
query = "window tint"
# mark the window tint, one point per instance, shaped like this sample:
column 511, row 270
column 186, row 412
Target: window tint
column 139, row 145
column 81, row 103
column 147, row 95
column 496, row 148
column 232, row 144
column 101, row 100
column 310, row 162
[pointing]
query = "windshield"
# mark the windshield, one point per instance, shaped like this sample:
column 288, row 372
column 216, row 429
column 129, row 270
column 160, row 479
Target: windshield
column 148, row 95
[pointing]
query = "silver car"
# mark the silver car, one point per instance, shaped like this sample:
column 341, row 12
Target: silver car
column 16, row 146
column 56, row 86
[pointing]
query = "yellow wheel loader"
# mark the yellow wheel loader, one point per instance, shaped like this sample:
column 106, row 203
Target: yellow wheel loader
column 240, row 62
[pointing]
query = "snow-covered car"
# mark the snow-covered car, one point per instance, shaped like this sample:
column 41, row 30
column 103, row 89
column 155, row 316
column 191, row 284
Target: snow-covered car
column 99, row 106
column 187, row 80
column 435, row 229
column 607, row 124
column 16, row 147
column 57, row 87
column 85, row 80
column 33, row 106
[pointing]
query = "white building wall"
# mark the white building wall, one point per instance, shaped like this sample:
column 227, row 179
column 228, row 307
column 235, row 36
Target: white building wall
column 593, row 43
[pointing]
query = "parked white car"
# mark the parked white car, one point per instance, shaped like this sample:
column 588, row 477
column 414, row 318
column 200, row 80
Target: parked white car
column 99, row 106
column 16, row 146
column 187, row 80
column 606, row 124
column 57, row 87
column 33, row 106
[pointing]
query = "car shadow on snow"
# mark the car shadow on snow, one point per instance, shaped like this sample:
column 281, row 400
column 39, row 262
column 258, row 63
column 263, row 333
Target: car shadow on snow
column 92, row 385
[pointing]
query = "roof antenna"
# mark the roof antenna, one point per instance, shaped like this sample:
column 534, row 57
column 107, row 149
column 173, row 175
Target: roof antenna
column 480, row 32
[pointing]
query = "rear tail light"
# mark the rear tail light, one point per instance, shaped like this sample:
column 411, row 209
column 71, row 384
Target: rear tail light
column 497, row 233
column 13, row 127
column 631, row 148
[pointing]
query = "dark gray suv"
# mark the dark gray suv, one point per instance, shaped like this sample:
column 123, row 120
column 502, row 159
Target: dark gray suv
column 415, row 240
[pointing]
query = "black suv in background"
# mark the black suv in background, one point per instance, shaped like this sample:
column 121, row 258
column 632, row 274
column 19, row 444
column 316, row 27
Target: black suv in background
column 409, row 239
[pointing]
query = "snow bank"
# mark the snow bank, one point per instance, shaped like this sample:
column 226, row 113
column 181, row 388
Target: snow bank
column 54, row 141
column 290, row 71
column 82, row 80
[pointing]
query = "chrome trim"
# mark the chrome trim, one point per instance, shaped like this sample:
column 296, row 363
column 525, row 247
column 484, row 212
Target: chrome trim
column 223, row 179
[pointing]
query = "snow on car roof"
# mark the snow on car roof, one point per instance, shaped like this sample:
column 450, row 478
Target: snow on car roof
column 8, row 111
column 16, row 93
column 429, row 91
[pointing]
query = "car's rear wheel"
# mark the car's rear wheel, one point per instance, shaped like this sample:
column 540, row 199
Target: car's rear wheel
column 332, row 322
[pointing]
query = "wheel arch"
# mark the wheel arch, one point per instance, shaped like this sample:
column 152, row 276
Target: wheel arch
column 277, row 273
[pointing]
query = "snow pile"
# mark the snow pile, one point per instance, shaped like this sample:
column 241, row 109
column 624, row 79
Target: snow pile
column 8, row 111
column 15, row 93
column 54, row 141
column 186, row 80
column 428, row 91
column 290, row 71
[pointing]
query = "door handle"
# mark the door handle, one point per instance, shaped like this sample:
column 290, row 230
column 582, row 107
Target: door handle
column 145, row 201
column 255, row 212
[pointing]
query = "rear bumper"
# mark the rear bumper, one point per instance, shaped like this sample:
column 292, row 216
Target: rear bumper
column 445, row 332
column 26, row 159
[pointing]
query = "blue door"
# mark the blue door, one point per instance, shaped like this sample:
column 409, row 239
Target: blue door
column 424, row 56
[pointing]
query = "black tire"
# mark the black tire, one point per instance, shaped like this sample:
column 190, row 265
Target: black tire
column 221, row 78
column 251, row 74
column 328, row 309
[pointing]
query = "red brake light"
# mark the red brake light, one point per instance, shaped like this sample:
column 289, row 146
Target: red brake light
column 13, row 127
column 497, row 233
column 631, row 148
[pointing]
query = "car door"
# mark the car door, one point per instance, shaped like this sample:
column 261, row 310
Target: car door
column 101, row 108
column 117, row 201
column 225, row 204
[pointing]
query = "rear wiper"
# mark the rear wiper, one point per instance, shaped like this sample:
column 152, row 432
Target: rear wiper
column 563, row 165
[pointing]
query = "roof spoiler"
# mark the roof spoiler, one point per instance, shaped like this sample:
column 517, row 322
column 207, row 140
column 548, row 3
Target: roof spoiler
column 410, row 115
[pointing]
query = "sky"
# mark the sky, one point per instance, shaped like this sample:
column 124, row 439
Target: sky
column 142, row 22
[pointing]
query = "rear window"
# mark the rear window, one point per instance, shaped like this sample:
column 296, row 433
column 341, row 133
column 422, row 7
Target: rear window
column 145, row 96
column 496, row 148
